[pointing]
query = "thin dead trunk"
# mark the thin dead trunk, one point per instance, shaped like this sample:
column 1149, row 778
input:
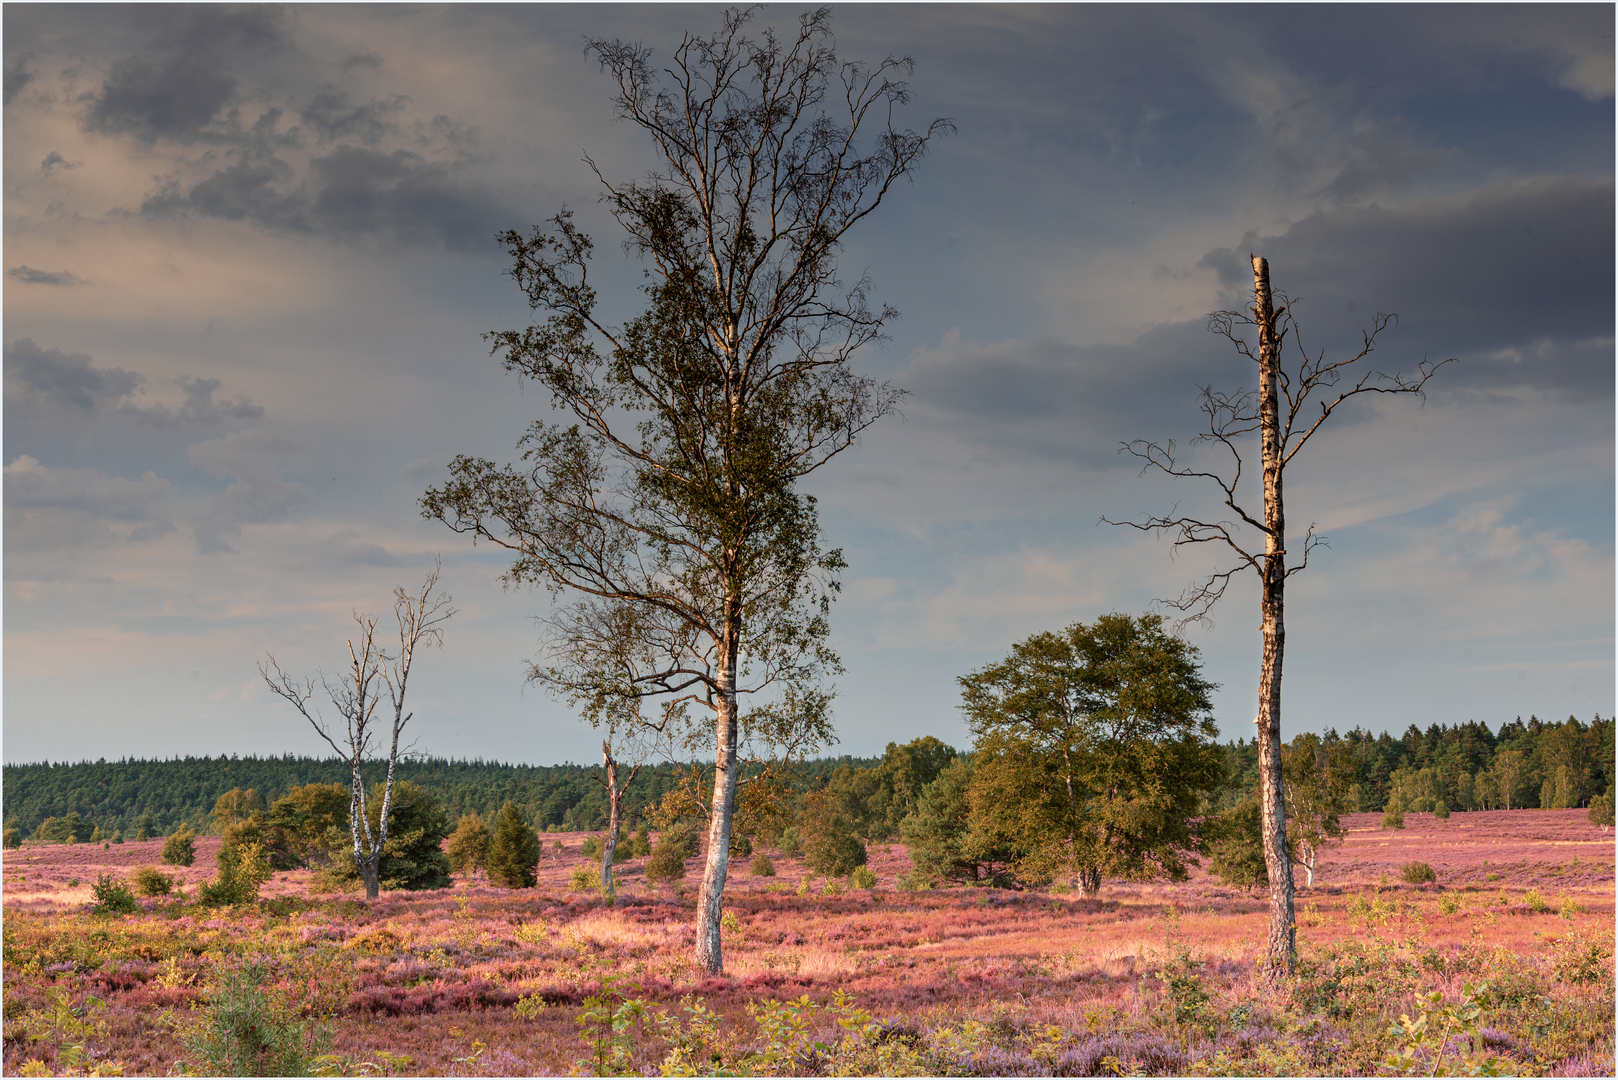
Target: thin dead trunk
column 1280, row 949
column 710, row 901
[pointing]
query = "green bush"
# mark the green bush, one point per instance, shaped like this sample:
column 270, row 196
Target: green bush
column 13, row 837
column 180, row 848
column 150, row 881
column 1441, row 810
column 789, row 843
column 1393, row 818
column 249, row 1028
column 513, row 850
column 863, row 878
column 668, row 860
column 640, row 844
column 741, row 846
column 830, row 842
column 113, row 897
column 242, row 869
column 1601, row 811
column 1417, row 873
column 585, row 878
column 762, row 866
column 468, row 847
column 144, row 829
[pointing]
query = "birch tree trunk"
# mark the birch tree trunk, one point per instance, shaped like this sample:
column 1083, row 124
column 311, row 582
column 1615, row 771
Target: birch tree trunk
column 711, row 898
column 1280, row 949
column 609, row 849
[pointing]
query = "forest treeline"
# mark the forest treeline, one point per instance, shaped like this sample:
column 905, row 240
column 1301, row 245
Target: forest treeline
column 1525, row 764
column 115, row 795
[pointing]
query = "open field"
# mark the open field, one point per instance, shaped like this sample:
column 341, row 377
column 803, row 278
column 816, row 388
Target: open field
column 1146, row 978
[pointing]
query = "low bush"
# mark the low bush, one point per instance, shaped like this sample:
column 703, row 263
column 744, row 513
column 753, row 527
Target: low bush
column 863, row 878
column 180, row 848
column 667, row 862
column 150, row 881
column 113, row 897
column 762, row 866
column 1441, row 810
column 789, row 843
column 585, row 877
column 1601, row 811
column 1393, row 818
column 249, row 1028
column 1417, row 873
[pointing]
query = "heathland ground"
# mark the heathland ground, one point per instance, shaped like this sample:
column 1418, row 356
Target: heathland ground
column 1146, row 978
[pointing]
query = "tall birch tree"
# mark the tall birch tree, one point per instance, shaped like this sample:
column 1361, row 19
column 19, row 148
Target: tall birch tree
column 1282, row 412
column 666, row 501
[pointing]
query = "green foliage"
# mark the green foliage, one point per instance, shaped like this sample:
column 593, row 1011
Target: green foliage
column 308, row 827
column 150, row 881
column 1393, row 818
column 1601, row 811
column 468, row 847
column 251, row 1028
column 144, row 828
column 944, row 845
column 1417, row 873
column 513, row 858
column 790, row 842
column 413, row 857
column 608, row 1024
column 12, row 837
column 236, row 805
column 669, row 854
column 585, row 878
column 640, row 844
column 1094, row 751
column 830, row 842
column 67, row 1027
column 762, row 866
column 242, row 868
column 1425, row 1042
column 863, row 877
column 113, row 897
column 1236, row 849
column 180, row 848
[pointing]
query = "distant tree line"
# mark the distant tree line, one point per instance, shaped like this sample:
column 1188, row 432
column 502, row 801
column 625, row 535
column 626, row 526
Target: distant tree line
column 119, row 796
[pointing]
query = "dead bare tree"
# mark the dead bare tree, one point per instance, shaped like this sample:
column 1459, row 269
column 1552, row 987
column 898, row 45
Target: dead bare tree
column 356, row 696
column 1232, row 418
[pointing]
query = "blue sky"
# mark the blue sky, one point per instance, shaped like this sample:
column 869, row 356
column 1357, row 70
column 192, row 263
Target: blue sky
column 249, row 256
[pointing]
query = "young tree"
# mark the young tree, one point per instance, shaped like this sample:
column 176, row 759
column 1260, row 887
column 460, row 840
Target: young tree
column 468, row 847
column 513, row 850
column 307, row 826
column 942, row 843
column 356, row 696
column 1315, row 777
column 669, row 504
column 1279, row 412
column 1095, row 751
column 180, row 848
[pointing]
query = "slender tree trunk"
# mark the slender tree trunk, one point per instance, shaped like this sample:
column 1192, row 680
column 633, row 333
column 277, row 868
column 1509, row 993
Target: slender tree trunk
column 1090, row 881
column 610, row 848
column 710, row 901
column 1280, row 948
column 367, row 863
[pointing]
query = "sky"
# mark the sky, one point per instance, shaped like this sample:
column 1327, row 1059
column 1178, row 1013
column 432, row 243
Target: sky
column 250, row 257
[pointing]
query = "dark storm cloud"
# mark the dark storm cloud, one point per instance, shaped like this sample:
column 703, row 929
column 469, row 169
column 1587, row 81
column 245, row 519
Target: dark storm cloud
column 17, row 76
column 332, row 116
column 29, row 276
column 36, row 377
column 351, row 192
column 180, row 89
column 1505, row 270
column 67, row 380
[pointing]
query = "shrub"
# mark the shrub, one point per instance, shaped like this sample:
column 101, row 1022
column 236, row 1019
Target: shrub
column 1393, row 818
column 468, row 847
column 150, row 881
column 863, row 878
column 118, row 836
column 242, row 869
column 584, row 878
column 1601, row 811
column 180, row 848
column 640, row 844
column 13, row 837
column 1441, row 810
column 668, row 860
column 249, row 1028
column 113, row 897
column 1417, row 873
column 762, row 866
column 144, row 827
column 308, row 826
column 789, row 842
column 591, row 847
column 513, row 858
column 96, row 837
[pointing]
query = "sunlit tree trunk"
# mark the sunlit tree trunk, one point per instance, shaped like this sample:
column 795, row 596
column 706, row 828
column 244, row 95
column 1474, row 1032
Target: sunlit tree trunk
column 710, row 901
column 1281, row 941
column 609, row 849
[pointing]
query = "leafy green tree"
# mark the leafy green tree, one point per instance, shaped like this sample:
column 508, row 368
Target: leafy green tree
column 144, row 828
column 1095, row 751
column 831, row 844
column 308, row 826
column 513, row 850
column 1236, row 846
column 940, row 837
column 670, row 504
column 468, row 847
column 1601, row 811
column 905, row 772
column 180, row 848
column 1315, row 779
column 413, row 857
column 13, row 836
column 236, row 805
column 242, row 867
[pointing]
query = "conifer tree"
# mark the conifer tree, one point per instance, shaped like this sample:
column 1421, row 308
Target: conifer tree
column 513, row 859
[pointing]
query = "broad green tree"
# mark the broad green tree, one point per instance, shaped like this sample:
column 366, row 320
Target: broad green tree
column 1095, row 751
column 941, row 840
column 307, row 826
column 1292, row 401
column 1315, row 777
column 468, row 846
column 667, row 503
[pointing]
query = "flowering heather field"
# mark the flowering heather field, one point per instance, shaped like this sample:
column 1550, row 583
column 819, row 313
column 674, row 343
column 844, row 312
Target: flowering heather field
column 1147, row 979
